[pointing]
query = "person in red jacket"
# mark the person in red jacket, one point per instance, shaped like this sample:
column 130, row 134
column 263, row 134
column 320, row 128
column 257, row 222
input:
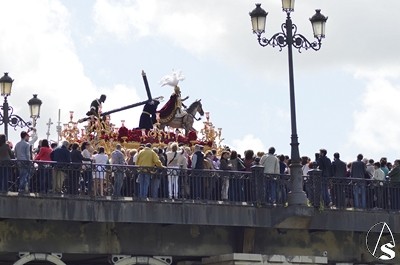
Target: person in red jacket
column 44, row 168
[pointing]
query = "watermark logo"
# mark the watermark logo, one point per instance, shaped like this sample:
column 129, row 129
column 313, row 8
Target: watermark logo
column 380, row 241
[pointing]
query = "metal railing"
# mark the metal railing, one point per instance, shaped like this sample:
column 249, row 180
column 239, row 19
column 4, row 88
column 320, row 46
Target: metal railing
column 245, row 187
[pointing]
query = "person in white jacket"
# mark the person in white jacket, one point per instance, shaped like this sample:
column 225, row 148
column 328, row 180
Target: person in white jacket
column 175, row 161
column 271, row 167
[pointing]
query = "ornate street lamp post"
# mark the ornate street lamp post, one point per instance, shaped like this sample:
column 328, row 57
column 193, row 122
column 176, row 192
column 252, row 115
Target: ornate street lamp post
column 290, row 38
column 34, row 108
column 7, row 117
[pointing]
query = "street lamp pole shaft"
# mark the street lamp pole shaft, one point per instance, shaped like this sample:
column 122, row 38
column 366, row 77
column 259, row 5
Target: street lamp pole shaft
column 5, row 117
column 294, row 138
column 296, row 195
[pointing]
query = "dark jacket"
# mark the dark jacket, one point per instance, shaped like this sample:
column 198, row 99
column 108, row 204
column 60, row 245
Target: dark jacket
column 77, row 158
column 358, row 169
column 325, row 165
column 61, row 155
column 148, row 116
column 199, row 160
column 339, row 169
column 394, row 174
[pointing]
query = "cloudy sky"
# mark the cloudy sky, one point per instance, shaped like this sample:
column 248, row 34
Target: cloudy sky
column 347, row 94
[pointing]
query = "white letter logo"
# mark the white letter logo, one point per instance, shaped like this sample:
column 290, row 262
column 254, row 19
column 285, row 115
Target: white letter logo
column 380, row 241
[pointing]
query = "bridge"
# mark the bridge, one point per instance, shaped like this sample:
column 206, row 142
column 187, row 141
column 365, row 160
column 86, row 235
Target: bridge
column 46, row 228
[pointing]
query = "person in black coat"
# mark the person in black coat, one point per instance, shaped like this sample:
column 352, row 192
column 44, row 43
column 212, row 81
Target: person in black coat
column 96, row 105
column 75, row 173
column 148, row 116
column 325, row 165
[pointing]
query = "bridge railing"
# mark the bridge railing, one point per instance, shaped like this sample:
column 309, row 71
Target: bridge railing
column 245, row 187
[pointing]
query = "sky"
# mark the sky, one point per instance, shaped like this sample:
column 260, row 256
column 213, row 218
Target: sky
column 69, row 52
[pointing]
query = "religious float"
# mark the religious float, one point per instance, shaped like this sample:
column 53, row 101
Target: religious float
column 171, row 123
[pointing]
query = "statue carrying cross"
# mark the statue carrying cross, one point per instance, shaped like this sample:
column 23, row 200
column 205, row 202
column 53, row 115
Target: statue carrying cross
column 149, row 99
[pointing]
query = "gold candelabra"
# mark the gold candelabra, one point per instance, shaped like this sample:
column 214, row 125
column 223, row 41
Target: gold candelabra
column 156, row 132
column 70, row 131
column 210, row 134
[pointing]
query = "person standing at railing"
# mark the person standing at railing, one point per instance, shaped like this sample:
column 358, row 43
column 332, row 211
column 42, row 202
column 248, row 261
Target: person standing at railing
column 175, row 160
column 339, row 185
column 160, row 176
column 87, row 183
column 118, row 158
column 325, row 165
column 394, row 176
column 146, row 159
column 225, row 165
column 358, row 172
column 212, row 178
column 384, row 167
column 248, row 159
column 101, row 161
column 74, row 176
column 129, row 186
column 184, row 174
column 197, row 176
column 44, row 168
column 62, row 156
column 5, row 158
column 215, row 159
column 379, row 178
column 236, row 191
column 271, row 169
column 23, row 154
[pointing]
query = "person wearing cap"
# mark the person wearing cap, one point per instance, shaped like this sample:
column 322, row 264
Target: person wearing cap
column 146, row 159
column 23, row 155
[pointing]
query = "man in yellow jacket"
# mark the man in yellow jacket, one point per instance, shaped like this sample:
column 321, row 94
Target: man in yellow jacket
column 147, row 158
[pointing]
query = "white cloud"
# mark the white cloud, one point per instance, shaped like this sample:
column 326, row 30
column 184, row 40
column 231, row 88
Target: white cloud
column 194, row 27
column 38, row 52
column 247, row 142
column 376, row 129
column 125, row 19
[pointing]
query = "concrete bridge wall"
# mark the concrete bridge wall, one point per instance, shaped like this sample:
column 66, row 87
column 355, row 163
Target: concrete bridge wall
column 81, row 228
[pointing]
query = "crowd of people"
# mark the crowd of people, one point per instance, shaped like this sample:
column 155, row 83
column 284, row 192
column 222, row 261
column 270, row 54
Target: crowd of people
column 358, row 184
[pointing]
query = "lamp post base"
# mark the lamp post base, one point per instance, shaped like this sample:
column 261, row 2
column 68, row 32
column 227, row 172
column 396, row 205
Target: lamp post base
column 296, row 196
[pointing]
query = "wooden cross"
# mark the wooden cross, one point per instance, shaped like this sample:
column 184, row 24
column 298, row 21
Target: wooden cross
column 48, row 128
